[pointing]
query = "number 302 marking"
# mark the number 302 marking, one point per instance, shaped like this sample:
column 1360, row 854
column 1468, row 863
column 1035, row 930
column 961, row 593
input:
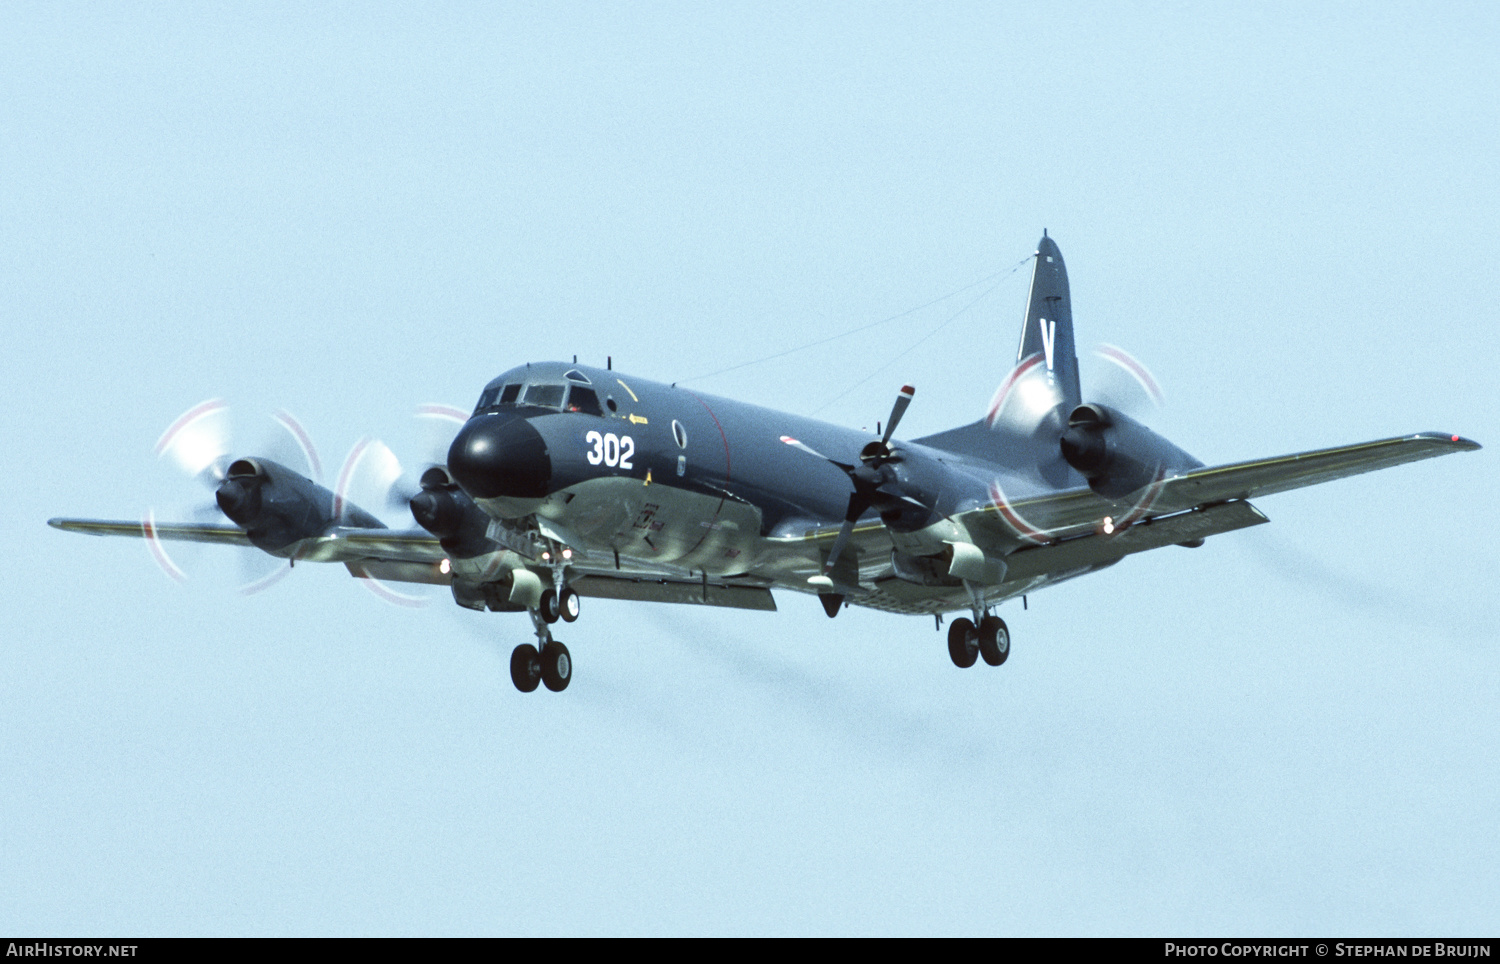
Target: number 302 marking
column 610, row 449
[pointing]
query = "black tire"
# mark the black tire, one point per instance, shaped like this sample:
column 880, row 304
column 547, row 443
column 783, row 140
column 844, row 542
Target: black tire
column 557, row 666
column 568, row 606
column 547, row 606
column 994, row 640
column 525, row 667
column 963, row 643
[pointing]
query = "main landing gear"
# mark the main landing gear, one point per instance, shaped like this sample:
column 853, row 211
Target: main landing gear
column 551, row 665
column 548, row 662
column 967, row 642
column 985, row 635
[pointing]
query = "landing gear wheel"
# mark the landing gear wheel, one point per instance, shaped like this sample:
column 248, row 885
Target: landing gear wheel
column 557, row 666
column 547, row 606
column 994, row 640
column 525, row 667
column 568, row 606
column 963, row 643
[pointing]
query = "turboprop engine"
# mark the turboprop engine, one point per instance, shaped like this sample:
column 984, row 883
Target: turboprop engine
column 278, row 507
column 1117, row 454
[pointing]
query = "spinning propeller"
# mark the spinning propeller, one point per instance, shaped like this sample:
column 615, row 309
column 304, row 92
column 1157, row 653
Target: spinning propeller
column 199, row 443
column 1121, row 459
column 277, row 506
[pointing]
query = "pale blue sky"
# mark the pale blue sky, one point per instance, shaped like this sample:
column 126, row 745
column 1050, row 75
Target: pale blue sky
column 1287, row 212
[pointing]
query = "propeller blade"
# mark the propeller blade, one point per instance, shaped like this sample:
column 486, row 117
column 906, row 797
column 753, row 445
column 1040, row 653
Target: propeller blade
column 304, row 442
column 858, row 505
column 371, row 471
column 805, row 448
column 198, row 440
column 838, row 546
column 815, row 453
column 1133, row 367
column 903, row 401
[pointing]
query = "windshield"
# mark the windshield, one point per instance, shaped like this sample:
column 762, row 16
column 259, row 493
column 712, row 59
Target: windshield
column 497, row 396
column 543, row 396
column 579, row 398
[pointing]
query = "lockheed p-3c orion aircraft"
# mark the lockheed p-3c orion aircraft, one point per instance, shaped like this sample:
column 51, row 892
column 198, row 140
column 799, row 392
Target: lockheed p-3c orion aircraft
column 570, row 482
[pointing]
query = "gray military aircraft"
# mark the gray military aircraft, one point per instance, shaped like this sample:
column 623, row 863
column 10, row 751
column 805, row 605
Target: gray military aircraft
column 570, row 481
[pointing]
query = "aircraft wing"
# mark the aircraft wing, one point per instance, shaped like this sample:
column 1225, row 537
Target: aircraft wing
column 1064, row 514
column 224, row 535
column 1245, row 480
column 380, row 552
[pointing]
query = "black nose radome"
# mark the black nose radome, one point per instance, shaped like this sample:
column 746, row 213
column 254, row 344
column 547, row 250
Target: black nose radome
column 496, row 456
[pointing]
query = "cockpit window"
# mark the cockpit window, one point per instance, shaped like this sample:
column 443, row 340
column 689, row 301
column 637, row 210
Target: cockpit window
column 544, row 396
column 583, row 400
column 494, row 397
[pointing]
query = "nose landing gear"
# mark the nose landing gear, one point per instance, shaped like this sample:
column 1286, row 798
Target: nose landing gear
column 562, row 605
column 548, row 662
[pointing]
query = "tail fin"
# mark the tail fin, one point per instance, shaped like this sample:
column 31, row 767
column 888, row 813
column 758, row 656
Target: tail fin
column 1029, row 411
column 1046, row 374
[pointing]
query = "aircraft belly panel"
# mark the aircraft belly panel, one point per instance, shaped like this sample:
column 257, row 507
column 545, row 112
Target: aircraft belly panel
column 659, row 524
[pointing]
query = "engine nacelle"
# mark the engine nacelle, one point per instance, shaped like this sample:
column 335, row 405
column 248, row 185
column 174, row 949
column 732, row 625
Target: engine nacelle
column 278, row 507
column 1117, row 454
column 444, row 510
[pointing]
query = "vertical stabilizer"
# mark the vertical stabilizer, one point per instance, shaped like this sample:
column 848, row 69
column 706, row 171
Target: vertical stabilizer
column 1030, row 408
column 1047, row 353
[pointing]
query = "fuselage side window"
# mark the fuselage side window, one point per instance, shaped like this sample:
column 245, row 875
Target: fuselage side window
column 584, row 400
column 544, row 396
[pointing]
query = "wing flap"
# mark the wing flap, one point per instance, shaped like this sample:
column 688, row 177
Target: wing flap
column 671, row 591
column 390, row 545
column 387, row 571
column 1102, row 549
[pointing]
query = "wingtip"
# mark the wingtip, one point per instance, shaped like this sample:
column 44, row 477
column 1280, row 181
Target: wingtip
column 1455, row 441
